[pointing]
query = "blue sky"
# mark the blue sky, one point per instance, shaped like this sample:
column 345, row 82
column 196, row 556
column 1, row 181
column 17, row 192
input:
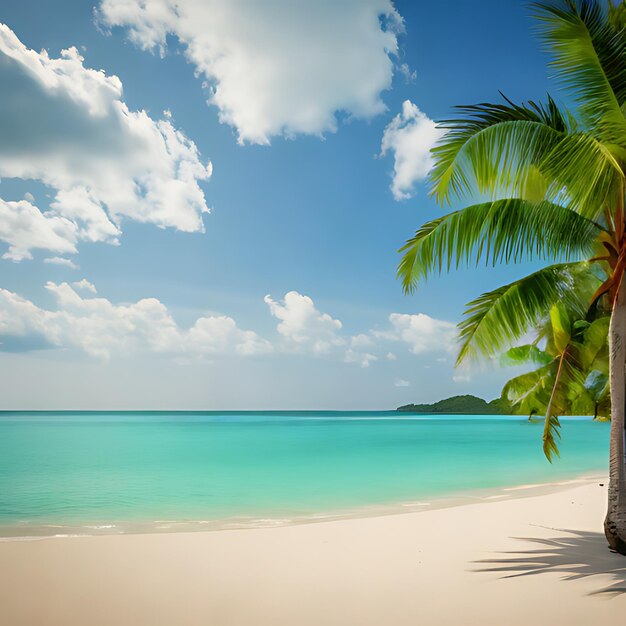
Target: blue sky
column 300, row 198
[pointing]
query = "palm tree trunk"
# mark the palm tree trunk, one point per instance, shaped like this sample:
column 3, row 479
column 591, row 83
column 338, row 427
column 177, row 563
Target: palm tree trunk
column 615, row 522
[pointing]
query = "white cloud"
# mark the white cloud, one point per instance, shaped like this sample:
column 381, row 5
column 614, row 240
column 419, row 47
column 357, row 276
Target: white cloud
column 303, row 326
column 360, row 358
column 220, row 335
column 361, row 341
column 421, row 332
column 284, row 69
column 66, row 126
column 24, row 228
column 305, row 329
column 85, row 285
column 79, row 205
column 83, row 321
column 56, row 260
column 103, row 329
column 409, row 75
column 401, row 383
column 410, row 136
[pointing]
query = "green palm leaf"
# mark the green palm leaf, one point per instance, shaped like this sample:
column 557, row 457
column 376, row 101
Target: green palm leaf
column 521, row 355
column 572, row 350
column 551, row 432
column 593, row 349
column 589, row 58
column 568, row 384
column 590, row 194
column 583, row 403
column 509, row 230
column 530, row 392
column 499, row 317
column 491, row 157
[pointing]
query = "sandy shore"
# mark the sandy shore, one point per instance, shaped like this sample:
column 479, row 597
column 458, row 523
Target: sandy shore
column 531, row 560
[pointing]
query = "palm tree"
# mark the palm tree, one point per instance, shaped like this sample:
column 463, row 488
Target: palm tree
column 551, row 185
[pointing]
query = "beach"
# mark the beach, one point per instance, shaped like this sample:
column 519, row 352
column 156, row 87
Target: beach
column 304, row 322
column 526, row 556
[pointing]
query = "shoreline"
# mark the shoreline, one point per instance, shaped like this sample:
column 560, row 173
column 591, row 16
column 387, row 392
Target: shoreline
column 466, row 564
column 38, row 532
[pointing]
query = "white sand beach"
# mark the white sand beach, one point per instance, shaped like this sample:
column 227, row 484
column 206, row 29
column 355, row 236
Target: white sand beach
column 527, row 560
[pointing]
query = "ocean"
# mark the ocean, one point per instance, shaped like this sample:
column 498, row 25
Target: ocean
column 85, row 472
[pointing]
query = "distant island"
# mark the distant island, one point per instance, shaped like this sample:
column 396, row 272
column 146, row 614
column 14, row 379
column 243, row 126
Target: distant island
column 465, row 405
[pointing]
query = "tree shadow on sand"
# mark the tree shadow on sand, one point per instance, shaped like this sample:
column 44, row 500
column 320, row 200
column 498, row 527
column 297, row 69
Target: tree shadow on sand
column 575, row 556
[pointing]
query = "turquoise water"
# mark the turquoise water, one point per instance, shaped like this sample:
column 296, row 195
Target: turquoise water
column 112, row 468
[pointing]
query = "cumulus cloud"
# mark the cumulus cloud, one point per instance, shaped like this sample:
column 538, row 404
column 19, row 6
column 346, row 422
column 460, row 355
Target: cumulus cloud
column 103, row 329
column 362, row 340
column 288, row 69
column 421, row 332
column 67, row 126
column 220, row 335
column 24, row 228
column 401, row 383
column 303, row 326
column 360, row 358
column 57, row 260
column 85, row 285
column 305, row 329
column 410, row 136
column 84, row 321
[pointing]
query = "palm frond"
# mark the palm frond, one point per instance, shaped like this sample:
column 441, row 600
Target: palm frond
column 529, row 393
column 529, row 353
column 500, row 317
column 551, row 432
column 617, row 18
column 491, row 142
column 583, row 403
column 582, row 173
column 589, row 56
column 561, row 326
column 598, row 384
column 568, row 388
column 593, row 348
column 502, row 231
column 552, row 425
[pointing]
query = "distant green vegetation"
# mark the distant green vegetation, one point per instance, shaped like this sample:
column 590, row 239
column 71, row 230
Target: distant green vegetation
column 464, row 405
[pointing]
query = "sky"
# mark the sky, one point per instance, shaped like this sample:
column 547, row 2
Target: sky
column 201, row 201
